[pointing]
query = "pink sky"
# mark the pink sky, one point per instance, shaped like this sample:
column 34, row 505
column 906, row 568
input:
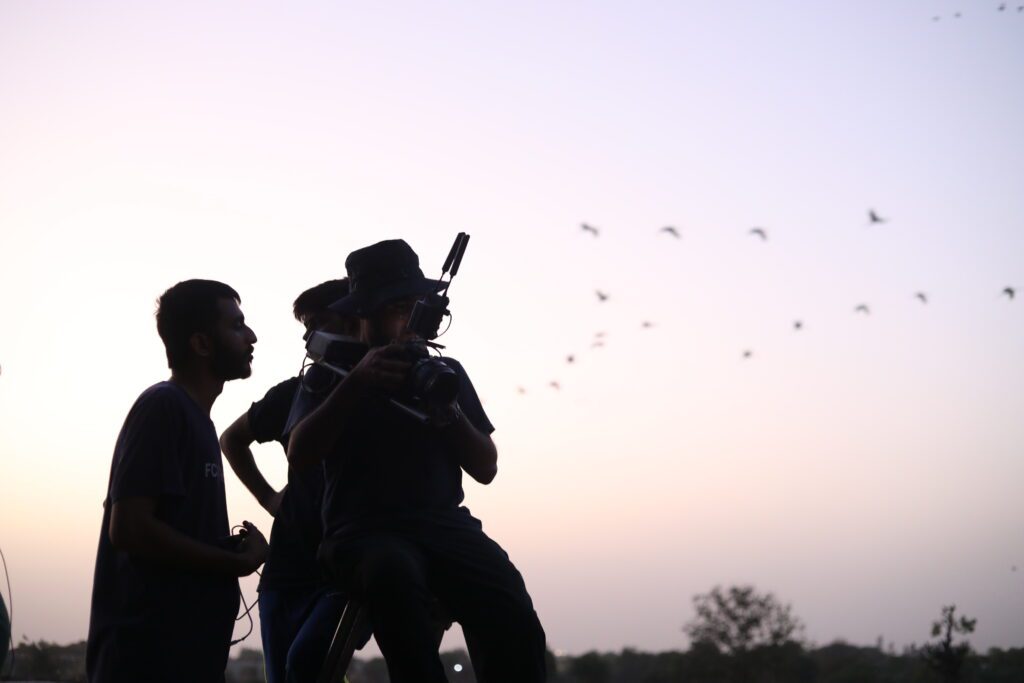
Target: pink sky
column 866, row 469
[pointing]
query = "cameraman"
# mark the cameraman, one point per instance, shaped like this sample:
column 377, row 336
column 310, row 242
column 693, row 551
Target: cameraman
column 165, row 590
column 298, row 612
column 396, row 535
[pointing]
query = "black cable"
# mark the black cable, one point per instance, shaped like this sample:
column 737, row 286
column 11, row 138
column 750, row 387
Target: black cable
column 10, row 611
column 450, row 317
column 248, row 607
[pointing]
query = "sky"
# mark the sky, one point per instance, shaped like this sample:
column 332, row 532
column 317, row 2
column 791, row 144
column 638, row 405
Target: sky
column 866, row 469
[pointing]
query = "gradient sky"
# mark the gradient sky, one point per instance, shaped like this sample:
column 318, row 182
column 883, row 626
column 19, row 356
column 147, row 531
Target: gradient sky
column 866, row 469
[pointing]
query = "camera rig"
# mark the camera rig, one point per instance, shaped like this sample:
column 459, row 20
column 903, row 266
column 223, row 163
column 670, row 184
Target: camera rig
column 431, row 381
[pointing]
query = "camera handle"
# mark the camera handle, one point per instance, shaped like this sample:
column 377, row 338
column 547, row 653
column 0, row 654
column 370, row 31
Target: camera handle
column 417, row 415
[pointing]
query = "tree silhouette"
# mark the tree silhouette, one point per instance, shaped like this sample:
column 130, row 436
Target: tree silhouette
column 739, row 619
column 759, row 634
column 944, row 656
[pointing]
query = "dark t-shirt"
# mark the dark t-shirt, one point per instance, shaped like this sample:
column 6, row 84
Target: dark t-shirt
column 297, row 529
column 388, row 467
column 149, row 622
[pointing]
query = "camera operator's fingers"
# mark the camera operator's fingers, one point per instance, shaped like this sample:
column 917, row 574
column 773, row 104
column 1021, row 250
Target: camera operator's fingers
column 388, row 365
column 387, row 380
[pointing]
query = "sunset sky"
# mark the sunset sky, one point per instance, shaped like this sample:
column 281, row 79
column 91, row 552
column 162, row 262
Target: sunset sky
column 867, row 469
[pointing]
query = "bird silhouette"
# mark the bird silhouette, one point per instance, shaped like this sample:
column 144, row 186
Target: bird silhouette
column 597, row 345
column 521, row 390
column 1002, row 6
column 670, row 230
column 935, row 18
column 598, row 335
column 1010, row 292
column 956, row 16
column 922, row 296
column 862, row 308
column 589, row 228
column 601, row 296
column 647, row 324
column 760, row 232
column 570, row 358
column 873, row 217
column 555, row 385
column 748, row 353
column 798, row 325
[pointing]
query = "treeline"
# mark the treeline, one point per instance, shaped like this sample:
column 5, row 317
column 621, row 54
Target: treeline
column 738, row 635
column 792, row 663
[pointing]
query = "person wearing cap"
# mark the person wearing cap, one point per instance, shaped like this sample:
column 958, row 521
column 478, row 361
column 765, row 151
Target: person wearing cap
column 396, row 534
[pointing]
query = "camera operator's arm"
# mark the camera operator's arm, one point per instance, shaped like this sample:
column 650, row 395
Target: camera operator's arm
column 475, row 450
column 382, row 369
column 134, row 528
column 235, row 442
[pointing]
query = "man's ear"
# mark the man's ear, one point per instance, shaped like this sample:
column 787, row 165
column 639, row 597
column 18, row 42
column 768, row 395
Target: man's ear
column 201, row 344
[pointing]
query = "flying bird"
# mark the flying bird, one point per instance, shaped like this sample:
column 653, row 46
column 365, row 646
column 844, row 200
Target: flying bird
column 1002, row 6
column 798, row 325
column 670, row 230
column 647, row 324
column 521, row 390
column 748, row 353
column 862, row 308
column 554, row 385
column 601, row 296
column 873, row 217
column 597, row 345
column 570, row 358
column 922, row 296
column 598, row 335
column 589, row 228
column 1010, row 292
column 760, row 232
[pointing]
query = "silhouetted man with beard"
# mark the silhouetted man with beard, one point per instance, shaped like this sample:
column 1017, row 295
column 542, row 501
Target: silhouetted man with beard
column 165, row 591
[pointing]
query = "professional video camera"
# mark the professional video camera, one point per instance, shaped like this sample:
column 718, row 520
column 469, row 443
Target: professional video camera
column 430, row 382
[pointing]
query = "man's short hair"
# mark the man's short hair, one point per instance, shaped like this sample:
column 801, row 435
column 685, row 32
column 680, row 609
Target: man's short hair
column 186, row 308
column 316, row 299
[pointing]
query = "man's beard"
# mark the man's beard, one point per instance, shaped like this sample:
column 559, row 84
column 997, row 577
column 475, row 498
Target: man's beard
column 227, row 365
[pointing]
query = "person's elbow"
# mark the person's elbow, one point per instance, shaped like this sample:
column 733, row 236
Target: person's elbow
column 235, row 437
column 485, row 475
column 487, row 466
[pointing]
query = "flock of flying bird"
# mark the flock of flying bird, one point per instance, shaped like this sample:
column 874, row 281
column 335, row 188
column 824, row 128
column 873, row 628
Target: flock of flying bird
column 599, row 338
column 1001, row 7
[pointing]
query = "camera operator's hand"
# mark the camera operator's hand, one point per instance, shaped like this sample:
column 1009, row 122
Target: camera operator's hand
column 446, row 415
column 253, row 550
column 382, row 369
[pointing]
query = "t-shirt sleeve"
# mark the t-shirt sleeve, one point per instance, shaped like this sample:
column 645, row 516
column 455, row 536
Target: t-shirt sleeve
column 147, row 459
column 267, row 417
column 468, row 400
